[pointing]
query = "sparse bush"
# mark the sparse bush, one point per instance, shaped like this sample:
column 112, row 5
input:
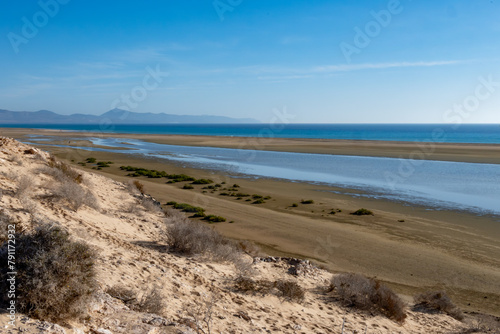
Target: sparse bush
column 103, row 164
column 150, row 205
column 189, row 208
column 255, row 196
column 307, row 201
column 188, row 186
column 294, row 205
column 171, row 203
column 139, row 186
column 369, row 294
column 191, row 237
column 203, row 181
column 65, row 169
column 245, row 284
column 151, row 302
column 75, row 195
column 249, row 248
column 236, row 185
column 91, row 160
column 290, row 290
column 362, row 212
column 24, row 185
column 55, row 275
column 438, row 301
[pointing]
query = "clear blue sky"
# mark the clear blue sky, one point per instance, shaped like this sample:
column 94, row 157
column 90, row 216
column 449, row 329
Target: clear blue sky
column 247, row 58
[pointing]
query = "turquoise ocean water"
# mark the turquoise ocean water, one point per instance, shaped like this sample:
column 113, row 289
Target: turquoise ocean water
column 464, row 133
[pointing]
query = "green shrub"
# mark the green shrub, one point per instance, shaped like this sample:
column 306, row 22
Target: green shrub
column 259, row 201
column 255, row 196
column 172, row 203
column 307, row 201
column 236, row 185
column 294, row 205
column 102, row 164
column 203, row 181
column 91, row 160
column 224, row 194
column 189, row 208
column 362, row 212
column 55, row 275
column 215, row 219
column 242, row 195
column 188, row 186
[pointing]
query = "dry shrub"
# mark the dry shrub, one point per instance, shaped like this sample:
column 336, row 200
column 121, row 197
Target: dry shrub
column 55, row 275
column 76, row 195
column 249, row 248
column 191, row 237
column 123, row 293
column 152, row 301
column 139, row 186
column 438, row 301
column 60, row 168
column 369, row 294
column 150, row 205
column 24, row 185
column 29, row 205
column 290, row 290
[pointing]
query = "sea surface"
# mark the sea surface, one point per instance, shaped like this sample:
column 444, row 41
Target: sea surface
column 437, row 185
column 449, row 133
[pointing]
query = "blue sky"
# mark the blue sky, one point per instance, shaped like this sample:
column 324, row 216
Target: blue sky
column 321, row 61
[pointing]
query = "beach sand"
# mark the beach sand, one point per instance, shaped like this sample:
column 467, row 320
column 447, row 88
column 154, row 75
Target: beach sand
column 412, row 248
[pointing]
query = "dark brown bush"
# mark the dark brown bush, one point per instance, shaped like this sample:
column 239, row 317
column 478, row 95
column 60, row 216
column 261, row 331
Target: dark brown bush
column 358, row 291
column 139, row 186
column 55, row 275
column 123, row 293
column 290, row 290
column 438, row 301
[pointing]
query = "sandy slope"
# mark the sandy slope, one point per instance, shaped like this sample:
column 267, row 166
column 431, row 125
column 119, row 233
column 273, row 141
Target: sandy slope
column 132, row 252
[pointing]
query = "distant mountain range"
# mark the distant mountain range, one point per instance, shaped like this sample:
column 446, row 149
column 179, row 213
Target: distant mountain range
column 115, row 116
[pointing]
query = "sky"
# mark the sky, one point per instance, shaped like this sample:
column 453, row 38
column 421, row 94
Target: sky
column 322, row 61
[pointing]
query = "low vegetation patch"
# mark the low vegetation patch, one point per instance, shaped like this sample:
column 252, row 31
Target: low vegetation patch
column 187, row 186
column 438, row 301
column 214, row 219
column 358, row 291
column 55, row 275
column 259, row 201
column 362, row 212
column 139, row 186
column 203, row 181
column 307, row 201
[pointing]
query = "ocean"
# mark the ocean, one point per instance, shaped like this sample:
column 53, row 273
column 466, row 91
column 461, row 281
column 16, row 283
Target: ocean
column 447, row 133
column 438, row 185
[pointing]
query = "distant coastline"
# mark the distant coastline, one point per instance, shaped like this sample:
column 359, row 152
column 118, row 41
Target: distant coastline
column 437, row 133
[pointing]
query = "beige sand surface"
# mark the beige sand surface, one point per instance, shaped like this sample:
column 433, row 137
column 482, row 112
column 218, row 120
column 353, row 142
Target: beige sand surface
column 129, row 240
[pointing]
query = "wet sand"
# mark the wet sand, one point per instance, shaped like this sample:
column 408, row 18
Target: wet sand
column 410, row 247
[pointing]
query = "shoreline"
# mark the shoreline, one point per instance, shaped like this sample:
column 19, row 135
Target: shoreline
column 409, row 247
column 456, row 152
